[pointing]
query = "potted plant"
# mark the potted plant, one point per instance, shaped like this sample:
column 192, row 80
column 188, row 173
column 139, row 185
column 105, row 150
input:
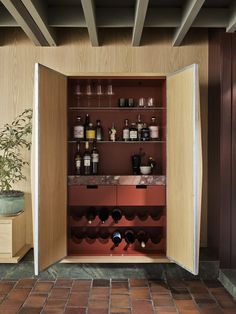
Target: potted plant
column 13, row 138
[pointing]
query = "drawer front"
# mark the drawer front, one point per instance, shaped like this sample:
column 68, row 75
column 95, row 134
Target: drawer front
column 92, row 195
column 5, row 238
column 141, row 195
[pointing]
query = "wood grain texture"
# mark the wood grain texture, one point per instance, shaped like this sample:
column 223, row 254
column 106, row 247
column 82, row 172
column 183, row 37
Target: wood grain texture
column 184, row 176
column 52, row 189
column 75, row 54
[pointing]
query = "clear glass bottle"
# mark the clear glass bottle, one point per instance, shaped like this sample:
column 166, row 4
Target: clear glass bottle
column 79, row 129
column 154, row 129
column 133, row 132
column 99, row 131
column 95, row 159
column 90, row 132
column 78, row 160
column 125, row 133
column 112, row 133
column 87, row 160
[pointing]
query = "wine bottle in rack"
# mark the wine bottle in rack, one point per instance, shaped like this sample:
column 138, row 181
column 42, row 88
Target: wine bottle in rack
column 94, row 159
column 156, row 238
column 116, row 238
column 99, row 131
column 91, row 214
column 104, row 233
column 79, row 129
column 143, row 214
column 116, row 214
column 87, row 160
column 142, row 237
column 103, row 214
column 125, row 133
column 78, row 160
column 129, row 236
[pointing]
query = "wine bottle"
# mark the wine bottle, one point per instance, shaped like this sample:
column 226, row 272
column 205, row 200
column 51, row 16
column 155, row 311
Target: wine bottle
column 129, row 236
column 116, row 238
column 103, row 214
column 154, row 130
column 116, row 214
column 99, row 131
column 133, row 132
column 142, row 237
column 126, row 131
column 79, row 129
column 87, row 160
column 95, row 159
column 86, row 125
column 156, row 238
column 91, row 214
column 78, row 160
column 145, row 133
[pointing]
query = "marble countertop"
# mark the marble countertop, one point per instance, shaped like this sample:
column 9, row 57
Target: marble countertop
column 117, row 180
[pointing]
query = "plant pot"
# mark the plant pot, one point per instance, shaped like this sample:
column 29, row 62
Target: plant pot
column 11, row 203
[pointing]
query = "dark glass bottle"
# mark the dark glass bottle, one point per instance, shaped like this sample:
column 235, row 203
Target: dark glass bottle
column 90, row 132
column 129, row 236
column 91, row 214
column 139, row 126
column 103, row 214
column 95, row 159
column 133, row 132
column 87, row 160
column 99, row 131
column 78, row 160
column 116, row 238
column 156, row 238
column 145, row 133
column 142, row 237
column 86, row 125
column 116, row 214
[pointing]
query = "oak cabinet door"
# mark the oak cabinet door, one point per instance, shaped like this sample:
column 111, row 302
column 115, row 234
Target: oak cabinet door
column 49, row 172
column 184, row 168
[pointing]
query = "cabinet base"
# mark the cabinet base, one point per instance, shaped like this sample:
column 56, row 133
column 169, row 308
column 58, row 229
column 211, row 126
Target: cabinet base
column 116, row 259
column 7, row 258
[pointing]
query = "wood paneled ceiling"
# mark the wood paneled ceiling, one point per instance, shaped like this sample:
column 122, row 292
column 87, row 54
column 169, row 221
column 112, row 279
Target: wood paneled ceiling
column 40, row 18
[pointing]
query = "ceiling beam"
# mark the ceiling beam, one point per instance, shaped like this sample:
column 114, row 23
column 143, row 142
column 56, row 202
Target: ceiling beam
column 189, row 14
column 231, row 27
column 139, row 20
column 25, row 21
column 38, row 11
column 90, row 18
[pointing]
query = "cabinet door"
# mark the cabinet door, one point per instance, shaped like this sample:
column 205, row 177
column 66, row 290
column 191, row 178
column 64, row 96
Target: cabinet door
column 184, row 168
column 49, row 173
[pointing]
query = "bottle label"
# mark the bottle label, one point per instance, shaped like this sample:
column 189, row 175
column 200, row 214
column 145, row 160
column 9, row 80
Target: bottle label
column 87, row 162
column 90, row 134
column 125, row 134
column 133, row 134
column 95, row 157
column 154, row 131
column 78, row 163
column 79, row 131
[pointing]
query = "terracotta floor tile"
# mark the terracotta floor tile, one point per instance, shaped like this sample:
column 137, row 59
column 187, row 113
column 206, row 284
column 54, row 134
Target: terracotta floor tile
column 11, row 305
column 162, row 300
column 26, row 283
column 202, row 301
column 98, row 304
column 75, row 310
column 59, row 293
column 80, row 282
column 19, row 294
column 176, row 283
column 35, row 300
column 50, row 303
column 100, row 291
column 227, row 304
column 120, row 300
column 196, row 289
column 217, row 291
column 78, row 299
column 42, row 286
column 119, row 287
column 166, row 309
column 140, row 293
column 185, row 304
column 79, row 288
column 193, row 311
column 138, row 283
column 8, row 311
column 67, row 283
column 180, row 293
column 101, row 283
column 5, row 287
column 97, row 311
column 212, row 283
column 159, row 286
column 30, row 310
column 211, row 310
column 120, row 311
column 52, row 311
column 142, row 307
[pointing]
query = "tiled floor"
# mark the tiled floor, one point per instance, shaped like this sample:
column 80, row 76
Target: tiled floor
column 98, row 296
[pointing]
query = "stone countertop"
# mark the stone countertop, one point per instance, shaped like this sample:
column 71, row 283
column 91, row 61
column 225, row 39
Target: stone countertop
column 117, row 180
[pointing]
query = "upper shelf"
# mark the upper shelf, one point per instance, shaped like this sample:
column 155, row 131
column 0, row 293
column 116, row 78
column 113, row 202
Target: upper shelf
column 116, row 108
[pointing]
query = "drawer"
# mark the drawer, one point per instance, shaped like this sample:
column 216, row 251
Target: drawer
column 141, row 195
column 87, row 195
column 5, row 238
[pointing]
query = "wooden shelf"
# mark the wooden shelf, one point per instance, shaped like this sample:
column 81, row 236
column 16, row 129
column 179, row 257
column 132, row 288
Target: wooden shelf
column 120, row 142
column 116, row 108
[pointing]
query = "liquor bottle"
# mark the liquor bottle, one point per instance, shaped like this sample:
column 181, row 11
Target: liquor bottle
column 79, row 129
column 154, row 130
column 103, row 214
column 142, row 238
column 116, row 238
column 90, row 132
column 95, row 159
column 139, row 126
column 86, row 124
column 78, row 161
column 145, row 133
column 116, row 214
column 99, row 131
column 91, row 214
column 133, row 132
column 126, row 131
column 112, row 133
column 87, row 160
column 129, row 236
